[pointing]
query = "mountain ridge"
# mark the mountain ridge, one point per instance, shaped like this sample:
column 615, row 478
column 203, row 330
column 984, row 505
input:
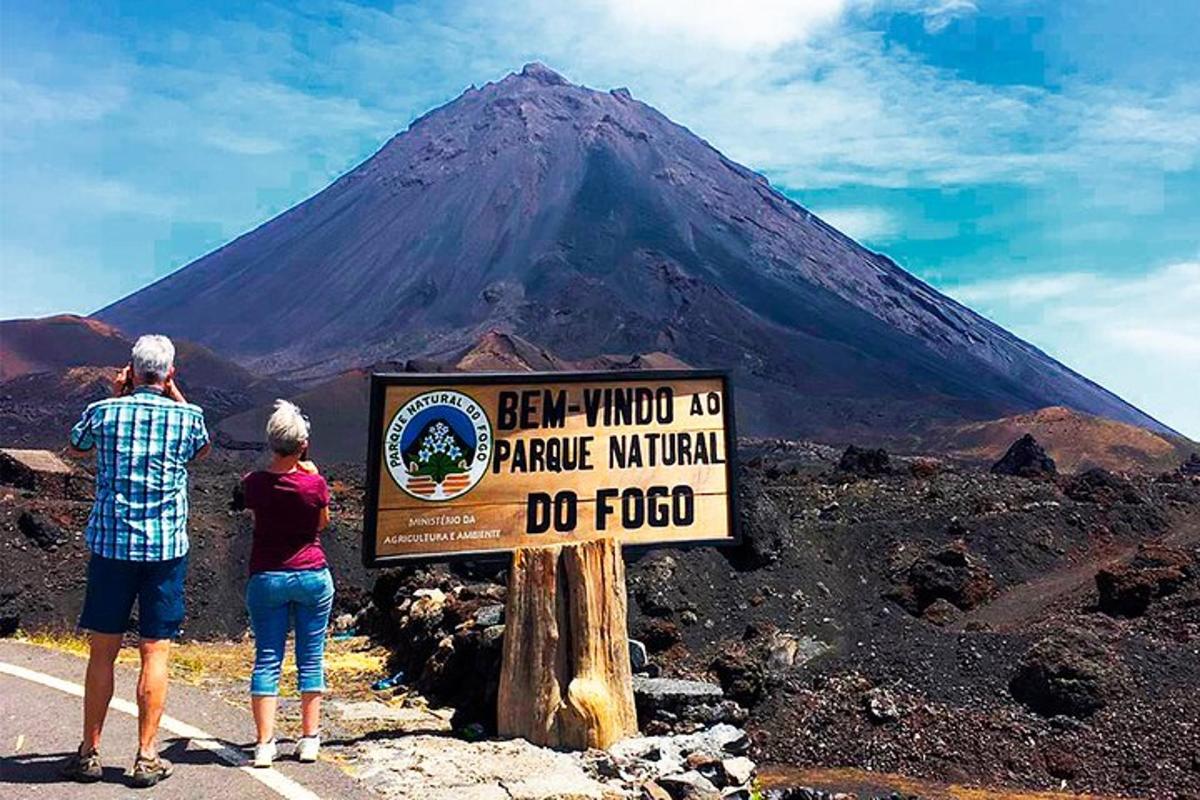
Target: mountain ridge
column 588, row 222
column 51, row 368
column 1077, row 441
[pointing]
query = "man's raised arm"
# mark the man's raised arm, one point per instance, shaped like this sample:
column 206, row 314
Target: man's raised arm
column 82, row 441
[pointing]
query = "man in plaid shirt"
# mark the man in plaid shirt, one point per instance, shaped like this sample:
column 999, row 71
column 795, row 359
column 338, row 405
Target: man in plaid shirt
column 144, row 437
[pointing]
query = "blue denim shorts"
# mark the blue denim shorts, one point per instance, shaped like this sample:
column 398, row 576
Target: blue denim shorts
column 113, row 585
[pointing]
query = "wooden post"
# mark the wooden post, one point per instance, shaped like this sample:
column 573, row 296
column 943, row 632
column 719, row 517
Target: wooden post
column 565, row 677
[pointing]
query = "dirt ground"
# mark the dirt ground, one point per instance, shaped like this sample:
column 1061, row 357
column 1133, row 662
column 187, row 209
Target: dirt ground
column 826, row 562
column 842, row 545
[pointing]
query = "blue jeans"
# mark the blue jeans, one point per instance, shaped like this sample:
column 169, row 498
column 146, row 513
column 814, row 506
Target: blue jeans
column 274, row 599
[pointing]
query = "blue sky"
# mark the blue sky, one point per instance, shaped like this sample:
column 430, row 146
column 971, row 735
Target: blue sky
column 1037, row 160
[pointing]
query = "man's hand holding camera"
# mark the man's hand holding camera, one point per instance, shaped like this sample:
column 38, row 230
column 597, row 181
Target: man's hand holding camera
column 124, row 384
column 171, row 389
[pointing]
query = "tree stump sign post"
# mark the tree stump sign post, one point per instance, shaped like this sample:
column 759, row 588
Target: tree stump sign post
column 559, row 472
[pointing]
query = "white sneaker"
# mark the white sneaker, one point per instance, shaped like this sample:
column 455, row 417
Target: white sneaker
column 307, row 748
column 264, row 753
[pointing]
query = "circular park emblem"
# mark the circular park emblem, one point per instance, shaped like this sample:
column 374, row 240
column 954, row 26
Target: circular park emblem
column 438, row 445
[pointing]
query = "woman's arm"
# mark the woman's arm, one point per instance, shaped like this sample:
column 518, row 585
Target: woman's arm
column 323, row 518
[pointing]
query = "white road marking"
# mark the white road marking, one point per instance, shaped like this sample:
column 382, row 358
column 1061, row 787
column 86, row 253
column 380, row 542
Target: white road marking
column 279, row 783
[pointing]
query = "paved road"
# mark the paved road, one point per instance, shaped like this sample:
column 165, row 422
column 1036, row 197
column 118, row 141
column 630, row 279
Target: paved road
column 201, row 735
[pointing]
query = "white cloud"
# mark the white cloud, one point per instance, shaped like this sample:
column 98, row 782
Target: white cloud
column 788, row 87
column 26, row 103
column 939, row 14
column 1160, row 341
column 1138, row 335
column 765, row 24
column 1170, row 121
column 1027, row 288
column 799, row 92
column 745, row 25
column 250, row 117
column 107, row 195
column 231, row 141
column 863, row 223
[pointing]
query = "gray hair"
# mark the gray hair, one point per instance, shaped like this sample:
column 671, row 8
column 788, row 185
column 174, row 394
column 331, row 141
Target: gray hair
column 153, row 356
column 287, row 428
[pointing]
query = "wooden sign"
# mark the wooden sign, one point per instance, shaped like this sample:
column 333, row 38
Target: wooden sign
column 467, row 465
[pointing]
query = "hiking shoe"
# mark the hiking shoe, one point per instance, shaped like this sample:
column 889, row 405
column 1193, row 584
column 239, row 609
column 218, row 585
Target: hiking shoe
column 308, row 747
column 149, row 771
column 83, row 768
column 264, row 753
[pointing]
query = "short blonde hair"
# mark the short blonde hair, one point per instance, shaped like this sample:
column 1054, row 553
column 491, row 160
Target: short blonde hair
column 287, row 428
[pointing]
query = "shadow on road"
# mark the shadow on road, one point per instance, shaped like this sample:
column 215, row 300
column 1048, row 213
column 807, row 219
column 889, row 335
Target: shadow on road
column 178, row 752
column 45, row 768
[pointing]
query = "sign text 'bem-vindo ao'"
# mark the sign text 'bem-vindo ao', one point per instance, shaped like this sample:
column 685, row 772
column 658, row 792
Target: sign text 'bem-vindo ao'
column 467, row 465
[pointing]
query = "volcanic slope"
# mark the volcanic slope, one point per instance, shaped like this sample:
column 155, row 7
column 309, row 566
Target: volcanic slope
column 339, row 406
column 586, row 222
column 1076, row 441
column 51, row 368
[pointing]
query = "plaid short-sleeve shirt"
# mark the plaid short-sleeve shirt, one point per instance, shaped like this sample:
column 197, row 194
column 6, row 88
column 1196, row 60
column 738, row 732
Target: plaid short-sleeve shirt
column 143, row 443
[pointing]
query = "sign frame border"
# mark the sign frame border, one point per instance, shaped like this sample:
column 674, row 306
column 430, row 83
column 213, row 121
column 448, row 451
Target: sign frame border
column 381, row 381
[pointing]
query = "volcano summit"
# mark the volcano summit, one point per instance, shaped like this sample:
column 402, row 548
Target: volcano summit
column 587, row 223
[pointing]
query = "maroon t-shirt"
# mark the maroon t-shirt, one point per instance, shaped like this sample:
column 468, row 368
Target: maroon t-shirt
column 287, row 513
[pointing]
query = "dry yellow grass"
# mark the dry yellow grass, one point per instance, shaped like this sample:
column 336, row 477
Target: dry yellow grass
column 351, row 665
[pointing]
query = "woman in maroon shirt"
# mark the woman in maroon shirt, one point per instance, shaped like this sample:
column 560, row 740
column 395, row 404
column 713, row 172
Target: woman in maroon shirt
column 289, row 579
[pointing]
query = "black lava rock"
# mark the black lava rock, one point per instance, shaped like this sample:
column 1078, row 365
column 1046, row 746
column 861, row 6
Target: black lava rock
column 1025, row 459
column 659, row 635
column 950, row 574
column 1070, row 673
column 1103, row 488
column 40, row 529
column 865, row 462
column 763, row 526
column 1127, row 589
column 741, row 675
